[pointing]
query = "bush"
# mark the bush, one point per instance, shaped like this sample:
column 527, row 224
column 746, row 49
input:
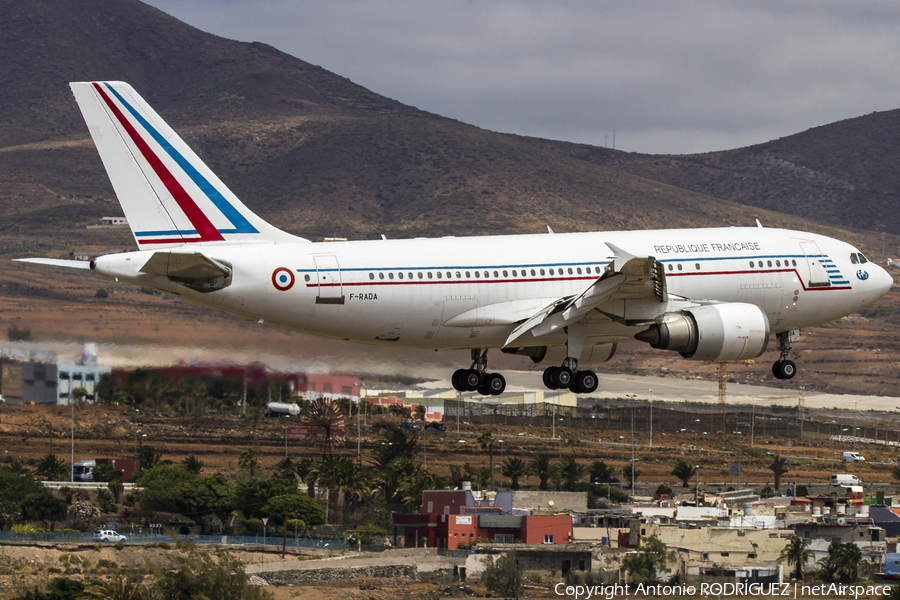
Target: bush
column 253, row 526
column 503, row 577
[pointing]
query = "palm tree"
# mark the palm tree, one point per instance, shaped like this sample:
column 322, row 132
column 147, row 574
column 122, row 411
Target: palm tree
column 249, row 459
column 570, row 472
column 192, row 464
column 540, row 468
column 514, row 468
column 53, row 468
column 778, row 468
column 486, row 441
column 483, row 475
column 684, row 471
column 842, row 562
column 797, row 553
column 600, row 472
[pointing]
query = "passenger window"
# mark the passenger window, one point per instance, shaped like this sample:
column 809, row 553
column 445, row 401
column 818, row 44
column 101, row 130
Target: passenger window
column 551, row 271
column 505, row 274
column 680, row 266
column 468, row 275
column 514, row 273
column 579, row 271
column 670, row 267
column 532, row 273
column 496, row 274
column 429, row 275
column 439, row 274
column 371, row 276
column 777, row 263
column 769, row 262
column 400, row 275
column 449, row 274
column 697, row 266
column 794, row 262
column 381, row 276
column 486, row 274
column 477, row 274
column 421, row 276
column 390, row 275
column 458, row 276
column 542, row 271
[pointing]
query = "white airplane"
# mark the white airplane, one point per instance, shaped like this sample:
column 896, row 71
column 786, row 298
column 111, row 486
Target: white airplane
column 565, row 300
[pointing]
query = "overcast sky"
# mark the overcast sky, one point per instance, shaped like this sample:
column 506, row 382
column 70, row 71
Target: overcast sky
column 668, row 76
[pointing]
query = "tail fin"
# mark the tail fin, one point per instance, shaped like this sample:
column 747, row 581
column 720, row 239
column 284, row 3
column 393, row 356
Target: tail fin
column 169, row 196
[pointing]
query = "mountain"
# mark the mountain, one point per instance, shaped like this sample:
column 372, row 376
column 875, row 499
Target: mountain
column 319, row 156
column 843, row 174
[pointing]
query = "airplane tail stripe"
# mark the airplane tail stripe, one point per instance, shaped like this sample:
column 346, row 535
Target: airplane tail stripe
column 207, row 231
column 241, row 225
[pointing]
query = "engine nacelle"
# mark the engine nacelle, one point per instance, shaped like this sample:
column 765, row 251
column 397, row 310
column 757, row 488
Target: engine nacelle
column 735, row 331
column 555, row 355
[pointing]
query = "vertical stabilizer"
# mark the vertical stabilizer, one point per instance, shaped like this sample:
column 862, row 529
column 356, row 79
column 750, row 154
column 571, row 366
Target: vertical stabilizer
column 169, row 196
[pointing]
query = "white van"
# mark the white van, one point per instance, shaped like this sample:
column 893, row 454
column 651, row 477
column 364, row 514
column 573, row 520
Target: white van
column 853, row 457
column 844, row 479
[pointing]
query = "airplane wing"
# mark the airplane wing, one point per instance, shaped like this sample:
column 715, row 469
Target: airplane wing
column 628, row 278
column 56, row 262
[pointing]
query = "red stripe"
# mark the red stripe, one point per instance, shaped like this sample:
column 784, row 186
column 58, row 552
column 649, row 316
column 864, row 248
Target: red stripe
column 207, row 231
column 794, row 271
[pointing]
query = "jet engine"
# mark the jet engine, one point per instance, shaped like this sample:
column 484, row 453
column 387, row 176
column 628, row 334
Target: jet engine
column 555, row 355
column 735, row 331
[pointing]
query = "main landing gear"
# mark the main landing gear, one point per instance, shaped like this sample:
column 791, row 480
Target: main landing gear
column 477, row 378
column 784, row 368
column 568, row 376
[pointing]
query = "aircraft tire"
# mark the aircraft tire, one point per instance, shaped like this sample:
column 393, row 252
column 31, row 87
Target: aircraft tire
column 562, row 378
column 548, row 378
column 495, row 383
column 472, row 380
column 776, row 369
column 459, row 380
column 788, row 369
column 584, row 382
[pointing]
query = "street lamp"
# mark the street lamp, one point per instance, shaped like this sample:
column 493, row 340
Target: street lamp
column 501, row 464
column 740, row 453
column 651, row 419
column 831, row 448
column 697, row 435
column 697, row 490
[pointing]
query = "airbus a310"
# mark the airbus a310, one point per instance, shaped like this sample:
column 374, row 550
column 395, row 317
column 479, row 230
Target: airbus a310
column 565, row 300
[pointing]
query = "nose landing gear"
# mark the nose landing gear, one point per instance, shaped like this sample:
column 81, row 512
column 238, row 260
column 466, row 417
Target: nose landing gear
column 784, row 368
column 476, row 378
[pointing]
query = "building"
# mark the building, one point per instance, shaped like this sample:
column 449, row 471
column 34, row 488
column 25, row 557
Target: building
column 862, row 531
column 450, row 518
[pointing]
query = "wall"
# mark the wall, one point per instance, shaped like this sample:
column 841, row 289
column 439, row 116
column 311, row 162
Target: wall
column 539, row 502
column 723, row 545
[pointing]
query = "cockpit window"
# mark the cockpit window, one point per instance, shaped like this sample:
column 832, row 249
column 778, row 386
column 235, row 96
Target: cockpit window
column 854, row 258
column 862, row 259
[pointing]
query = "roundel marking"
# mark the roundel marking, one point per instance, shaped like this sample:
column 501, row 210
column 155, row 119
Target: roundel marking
column 282, row 279
column 862, row 275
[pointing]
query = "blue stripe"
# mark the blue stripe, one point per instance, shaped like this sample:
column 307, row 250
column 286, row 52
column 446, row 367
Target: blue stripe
column 172, row 232
column 237, row 219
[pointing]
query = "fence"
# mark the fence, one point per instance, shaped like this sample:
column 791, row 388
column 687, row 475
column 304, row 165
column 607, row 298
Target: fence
column 229, row 540
column 657, row 418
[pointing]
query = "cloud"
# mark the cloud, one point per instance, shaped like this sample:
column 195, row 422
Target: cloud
column 670, row 77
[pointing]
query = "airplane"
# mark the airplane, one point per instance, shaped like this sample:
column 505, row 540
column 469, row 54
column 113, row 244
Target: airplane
column 563, row 299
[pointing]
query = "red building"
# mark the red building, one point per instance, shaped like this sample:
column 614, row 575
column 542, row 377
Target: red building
column 447, row 519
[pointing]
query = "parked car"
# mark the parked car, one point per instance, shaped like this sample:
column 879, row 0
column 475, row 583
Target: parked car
column 410, row 425
column 436, row 425
column 853, row 457
column 108, row 535
column 844, row 479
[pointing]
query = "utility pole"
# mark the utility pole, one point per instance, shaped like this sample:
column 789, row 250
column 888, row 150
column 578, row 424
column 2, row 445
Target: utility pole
column 632, row 450
column 651, row 419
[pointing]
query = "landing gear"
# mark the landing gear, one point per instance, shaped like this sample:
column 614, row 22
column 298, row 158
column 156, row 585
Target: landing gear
column 784, row 368
column 477, row 378
column 578, row 382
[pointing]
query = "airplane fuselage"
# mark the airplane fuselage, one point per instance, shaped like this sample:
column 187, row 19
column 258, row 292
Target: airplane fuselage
column 468, row 292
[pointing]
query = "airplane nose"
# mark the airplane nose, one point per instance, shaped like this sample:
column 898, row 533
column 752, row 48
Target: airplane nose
column 885, row 281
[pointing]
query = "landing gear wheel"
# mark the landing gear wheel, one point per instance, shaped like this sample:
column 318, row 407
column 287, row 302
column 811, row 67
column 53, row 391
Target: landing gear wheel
column 472, row 380
column 585, row 382
column 493, row 384
column 784, row 369
column 561, row 377
column 459, row 380
column 548, row 378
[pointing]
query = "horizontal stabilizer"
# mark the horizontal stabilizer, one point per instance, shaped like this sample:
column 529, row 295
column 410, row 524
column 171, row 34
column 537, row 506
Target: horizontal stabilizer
column 57, row 262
